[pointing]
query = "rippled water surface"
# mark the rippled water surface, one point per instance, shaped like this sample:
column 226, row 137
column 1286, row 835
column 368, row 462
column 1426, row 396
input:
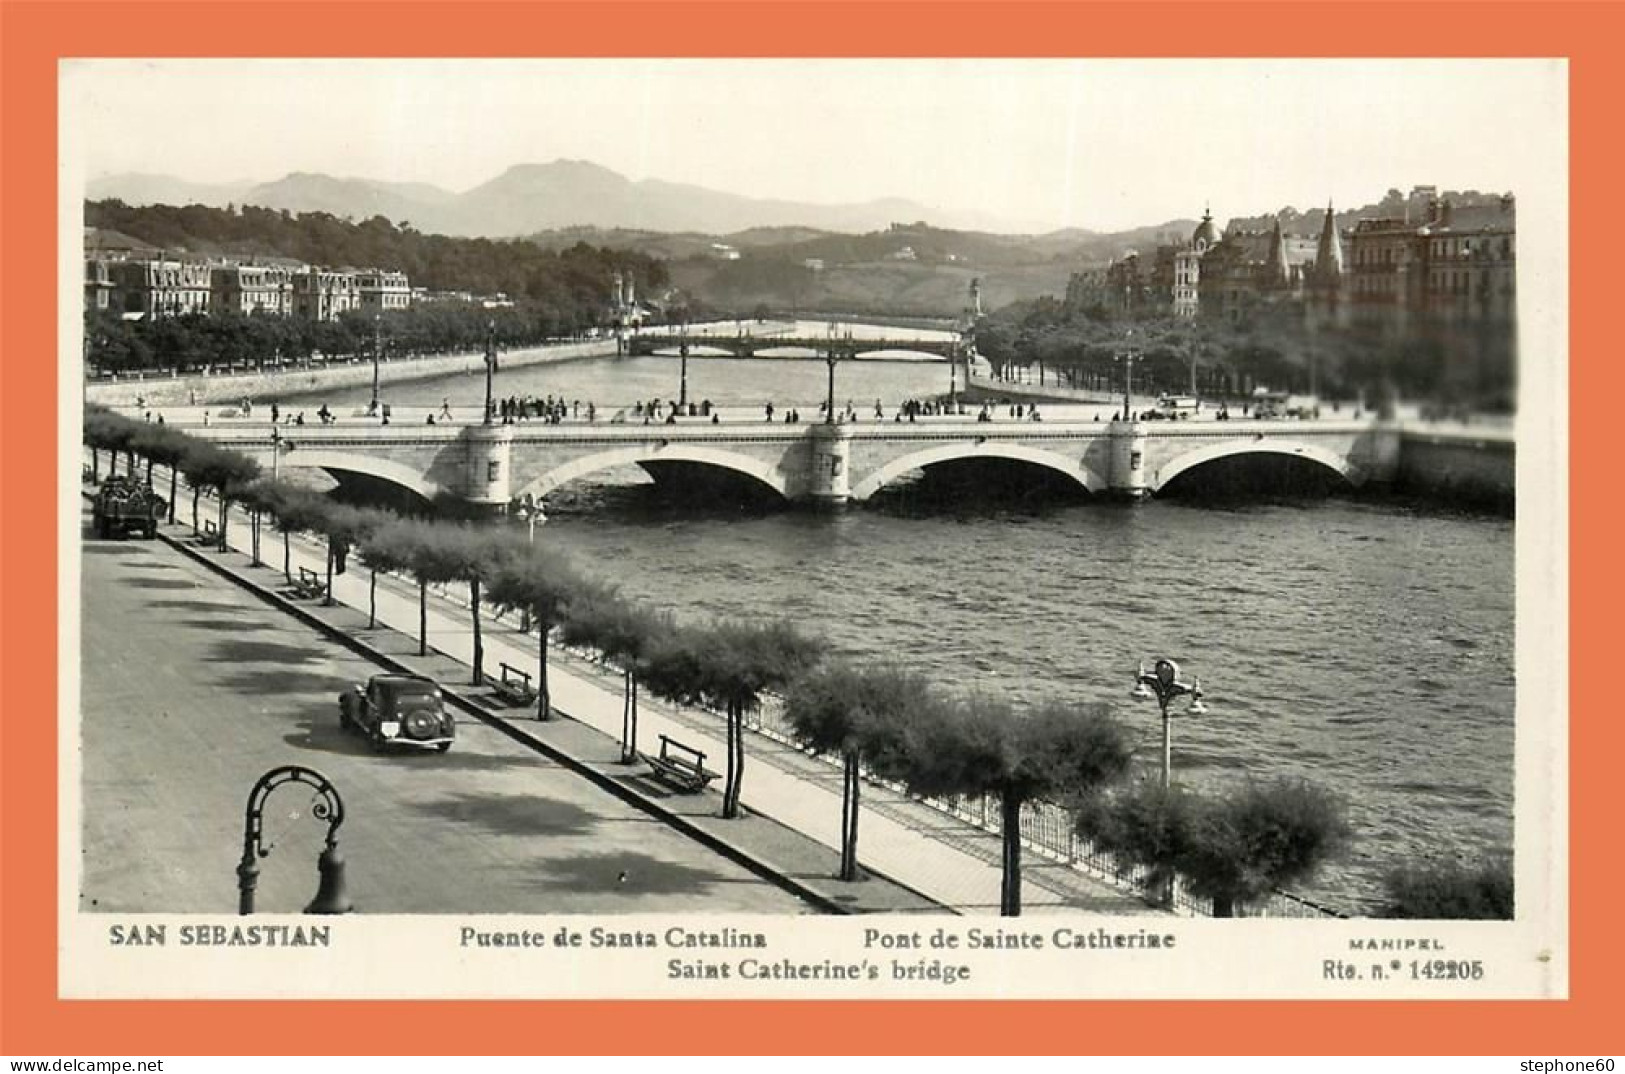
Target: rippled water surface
column 1366, row 648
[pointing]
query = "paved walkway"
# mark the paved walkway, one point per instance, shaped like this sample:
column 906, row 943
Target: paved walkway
column 946, row 860
column 193, row 689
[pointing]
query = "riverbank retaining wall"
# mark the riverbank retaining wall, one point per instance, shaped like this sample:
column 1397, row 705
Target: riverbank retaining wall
column 1458, row 466
column 263, row 386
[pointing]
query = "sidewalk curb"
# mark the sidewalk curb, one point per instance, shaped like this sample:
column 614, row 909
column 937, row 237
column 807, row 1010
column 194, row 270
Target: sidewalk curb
column 752, row 862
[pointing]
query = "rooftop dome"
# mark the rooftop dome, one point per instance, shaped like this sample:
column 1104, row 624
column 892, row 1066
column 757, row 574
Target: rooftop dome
column 1207, row 232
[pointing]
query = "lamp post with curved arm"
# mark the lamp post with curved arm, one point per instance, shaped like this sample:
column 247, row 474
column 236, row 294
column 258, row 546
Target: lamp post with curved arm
column 1162, row 684
column 332, row 897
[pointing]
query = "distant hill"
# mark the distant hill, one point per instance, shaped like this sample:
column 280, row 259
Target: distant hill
column 529, row 198
column 142, row 189
column 360, row 199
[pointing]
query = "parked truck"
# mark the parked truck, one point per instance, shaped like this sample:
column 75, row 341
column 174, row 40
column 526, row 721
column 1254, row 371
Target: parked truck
column 124, row 505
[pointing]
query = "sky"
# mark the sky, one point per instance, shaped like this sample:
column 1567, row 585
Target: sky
column 1103, row 144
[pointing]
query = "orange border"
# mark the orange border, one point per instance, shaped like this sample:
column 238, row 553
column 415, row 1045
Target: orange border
column 34, row 35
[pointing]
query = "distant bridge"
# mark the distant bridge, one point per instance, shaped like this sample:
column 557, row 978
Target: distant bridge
column 748, row 346
column 493, row 465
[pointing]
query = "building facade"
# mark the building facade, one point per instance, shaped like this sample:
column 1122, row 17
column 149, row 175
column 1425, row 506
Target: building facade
column 252, row 289
column 159, row 287
column 99, row 286
column 1429, row 257
column 325, row 294
column 383, row 291
column 1471, row 262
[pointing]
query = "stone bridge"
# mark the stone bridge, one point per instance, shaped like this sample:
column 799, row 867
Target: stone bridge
column 493, row 465
column 748, row 346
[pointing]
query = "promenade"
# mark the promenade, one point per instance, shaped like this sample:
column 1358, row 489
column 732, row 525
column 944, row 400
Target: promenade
column 192, row 689
column 929, row 858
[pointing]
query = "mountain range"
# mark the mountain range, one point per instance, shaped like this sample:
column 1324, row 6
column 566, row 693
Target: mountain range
column 531, row 198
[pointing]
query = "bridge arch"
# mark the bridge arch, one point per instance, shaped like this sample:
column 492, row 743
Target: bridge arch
column 395, row 473
column 914, row 353
column 698, row 350
column 765, row 472
column 1257, row 446
column 918, row 460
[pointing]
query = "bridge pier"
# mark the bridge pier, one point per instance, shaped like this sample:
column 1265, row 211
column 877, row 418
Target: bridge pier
column 488, row 476
column 830, row 483
column 1127, row 477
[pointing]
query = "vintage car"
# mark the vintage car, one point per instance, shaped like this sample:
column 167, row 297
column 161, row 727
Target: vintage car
column 123, row 506
column 397, row 709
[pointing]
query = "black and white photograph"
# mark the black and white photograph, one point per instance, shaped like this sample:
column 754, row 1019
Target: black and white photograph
column 814, row 528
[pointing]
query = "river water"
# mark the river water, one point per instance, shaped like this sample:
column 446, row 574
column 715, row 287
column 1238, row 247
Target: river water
column 1366, row 646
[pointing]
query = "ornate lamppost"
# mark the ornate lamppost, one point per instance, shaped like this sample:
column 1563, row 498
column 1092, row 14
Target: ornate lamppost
column 1163, row 685
column 331, row 895
column 533, row 513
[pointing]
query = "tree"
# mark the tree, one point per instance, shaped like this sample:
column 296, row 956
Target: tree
column 226, row 472
column 114, row 432
column 1483, row 891
column 386, row 547
column 260, row 498
column 980, row 745
column 412, row 543
column 1260, row 837
column 97, row 434
column 473, row 555
column 541, row 579
column 837, row 708
column 296, row 510
column 345, row 527
column 730, row 666
column 623, row 633
column 1141, row 824
column 168, row 447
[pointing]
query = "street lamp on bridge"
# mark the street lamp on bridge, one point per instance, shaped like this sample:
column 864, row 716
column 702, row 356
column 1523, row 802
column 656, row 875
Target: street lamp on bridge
column 832, row 356
column 490, row 368
column 1162, row 684
column 377, row 351
column 682, row 357
column 1127, row 357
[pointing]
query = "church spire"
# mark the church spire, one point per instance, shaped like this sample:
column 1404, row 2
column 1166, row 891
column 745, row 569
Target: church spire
column 1329, row 254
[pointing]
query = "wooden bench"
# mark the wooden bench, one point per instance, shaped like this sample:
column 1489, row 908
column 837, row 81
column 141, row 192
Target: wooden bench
column 310, row 585
column 681, row 766
column 513, row 686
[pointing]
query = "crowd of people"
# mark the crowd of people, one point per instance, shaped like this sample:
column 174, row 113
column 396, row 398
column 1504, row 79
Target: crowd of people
column 555, row 410
column 517, row 408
